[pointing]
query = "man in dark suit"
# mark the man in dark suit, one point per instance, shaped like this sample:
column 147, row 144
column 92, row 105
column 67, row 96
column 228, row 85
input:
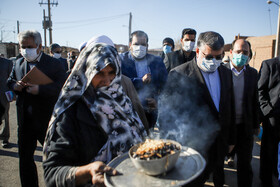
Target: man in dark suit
column 245, row 86
column 5, row 70
column 269, row 98
column 199, row 95
column 184, row 54
column 147, row 72
column 34, row 102
column 55, row 51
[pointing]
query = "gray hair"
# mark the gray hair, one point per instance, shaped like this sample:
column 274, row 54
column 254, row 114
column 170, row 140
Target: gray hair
column 30, row 34
column 213, row 39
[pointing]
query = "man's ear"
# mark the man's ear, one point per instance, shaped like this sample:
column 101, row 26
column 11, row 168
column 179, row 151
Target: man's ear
column 39, row 48
column 231, row 53
column 197, row 52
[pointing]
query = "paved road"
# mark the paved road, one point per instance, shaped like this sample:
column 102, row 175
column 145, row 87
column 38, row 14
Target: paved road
column 9, row 173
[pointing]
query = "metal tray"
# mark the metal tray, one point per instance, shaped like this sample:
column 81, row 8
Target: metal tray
column 190, row 164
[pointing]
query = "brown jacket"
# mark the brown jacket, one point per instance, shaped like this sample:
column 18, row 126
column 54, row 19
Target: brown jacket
column 130, row 91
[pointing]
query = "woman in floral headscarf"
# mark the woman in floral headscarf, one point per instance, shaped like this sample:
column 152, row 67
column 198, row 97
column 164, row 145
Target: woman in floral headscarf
column 93, row 121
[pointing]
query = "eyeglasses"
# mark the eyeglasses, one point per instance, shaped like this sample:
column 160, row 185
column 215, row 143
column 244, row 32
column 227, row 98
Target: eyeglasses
column 210, row 57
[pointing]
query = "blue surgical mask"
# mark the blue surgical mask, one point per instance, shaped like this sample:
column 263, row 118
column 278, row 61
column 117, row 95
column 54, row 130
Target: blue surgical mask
column 239, row 60
column 209, row 66
column 166, row 49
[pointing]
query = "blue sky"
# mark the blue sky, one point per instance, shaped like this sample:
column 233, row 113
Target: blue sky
column 77, row 21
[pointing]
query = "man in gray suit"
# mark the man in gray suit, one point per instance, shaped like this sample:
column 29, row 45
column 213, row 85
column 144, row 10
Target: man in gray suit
column 5, row 70
column 245, row 86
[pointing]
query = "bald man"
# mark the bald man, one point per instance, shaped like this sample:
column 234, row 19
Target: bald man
column 244, row 78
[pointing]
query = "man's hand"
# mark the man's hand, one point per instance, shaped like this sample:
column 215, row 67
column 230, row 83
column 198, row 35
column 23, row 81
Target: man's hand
column 19, row 86
column 32, row 89
column 152, row 104
column 147, row 78
column 94, row 172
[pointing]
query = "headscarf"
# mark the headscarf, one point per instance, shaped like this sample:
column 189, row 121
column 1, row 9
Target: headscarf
column 100, row 39
column 82, row 46
column 111, row 106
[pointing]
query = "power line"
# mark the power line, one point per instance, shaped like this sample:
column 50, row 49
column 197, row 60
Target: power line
column 86, row 24
column 92, row 19
column 76, row 21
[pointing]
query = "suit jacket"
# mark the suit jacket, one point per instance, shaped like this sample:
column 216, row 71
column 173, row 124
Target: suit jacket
column 251, row 108
column 5, row 70
column 187, row 92
column 176, row 58
column 158, row 74
column 64, row 63
column 269, row 92
column 40, row 106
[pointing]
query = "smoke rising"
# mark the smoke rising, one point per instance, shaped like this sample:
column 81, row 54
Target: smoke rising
column 184, row 115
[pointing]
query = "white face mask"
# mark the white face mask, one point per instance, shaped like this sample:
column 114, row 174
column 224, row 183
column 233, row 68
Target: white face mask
column 209, row 65
column 188, row 46
column 30, row 54
column 57, row 55
column 139, row 51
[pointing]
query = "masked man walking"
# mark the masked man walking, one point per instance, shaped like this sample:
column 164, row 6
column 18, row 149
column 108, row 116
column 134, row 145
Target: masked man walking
column 35, row 102
column 146, row 71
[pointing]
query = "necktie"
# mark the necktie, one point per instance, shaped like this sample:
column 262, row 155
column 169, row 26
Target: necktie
column 31, row 65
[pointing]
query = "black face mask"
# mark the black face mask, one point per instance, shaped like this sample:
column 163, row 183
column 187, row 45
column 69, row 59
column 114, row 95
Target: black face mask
column 73, row 57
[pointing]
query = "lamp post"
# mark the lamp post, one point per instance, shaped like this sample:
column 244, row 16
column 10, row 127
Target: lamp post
column 278, row 29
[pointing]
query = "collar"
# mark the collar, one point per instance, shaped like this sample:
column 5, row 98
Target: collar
column 235, row 70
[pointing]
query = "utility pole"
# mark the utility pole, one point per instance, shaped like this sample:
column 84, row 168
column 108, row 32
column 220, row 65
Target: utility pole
column 45, row 30
column 49, row 17
column 17, row 26
column 50, row 20
column 129, row 27
column 270, row 21
column 276, row 54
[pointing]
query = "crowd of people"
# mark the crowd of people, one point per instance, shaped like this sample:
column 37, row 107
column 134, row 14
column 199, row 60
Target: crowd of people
column 99, row 103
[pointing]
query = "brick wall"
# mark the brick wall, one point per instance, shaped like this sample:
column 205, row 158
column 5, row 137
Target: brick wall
column 263, row 49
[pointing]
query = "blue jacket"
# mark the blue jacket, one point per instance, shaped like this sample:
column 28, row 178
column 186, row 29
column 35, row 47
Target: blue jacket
column 158, row 73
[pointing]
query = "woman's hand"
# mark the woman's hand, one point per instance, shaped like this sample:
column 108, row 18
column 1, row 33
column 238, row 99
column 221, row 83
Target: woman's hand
column 94, row 172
